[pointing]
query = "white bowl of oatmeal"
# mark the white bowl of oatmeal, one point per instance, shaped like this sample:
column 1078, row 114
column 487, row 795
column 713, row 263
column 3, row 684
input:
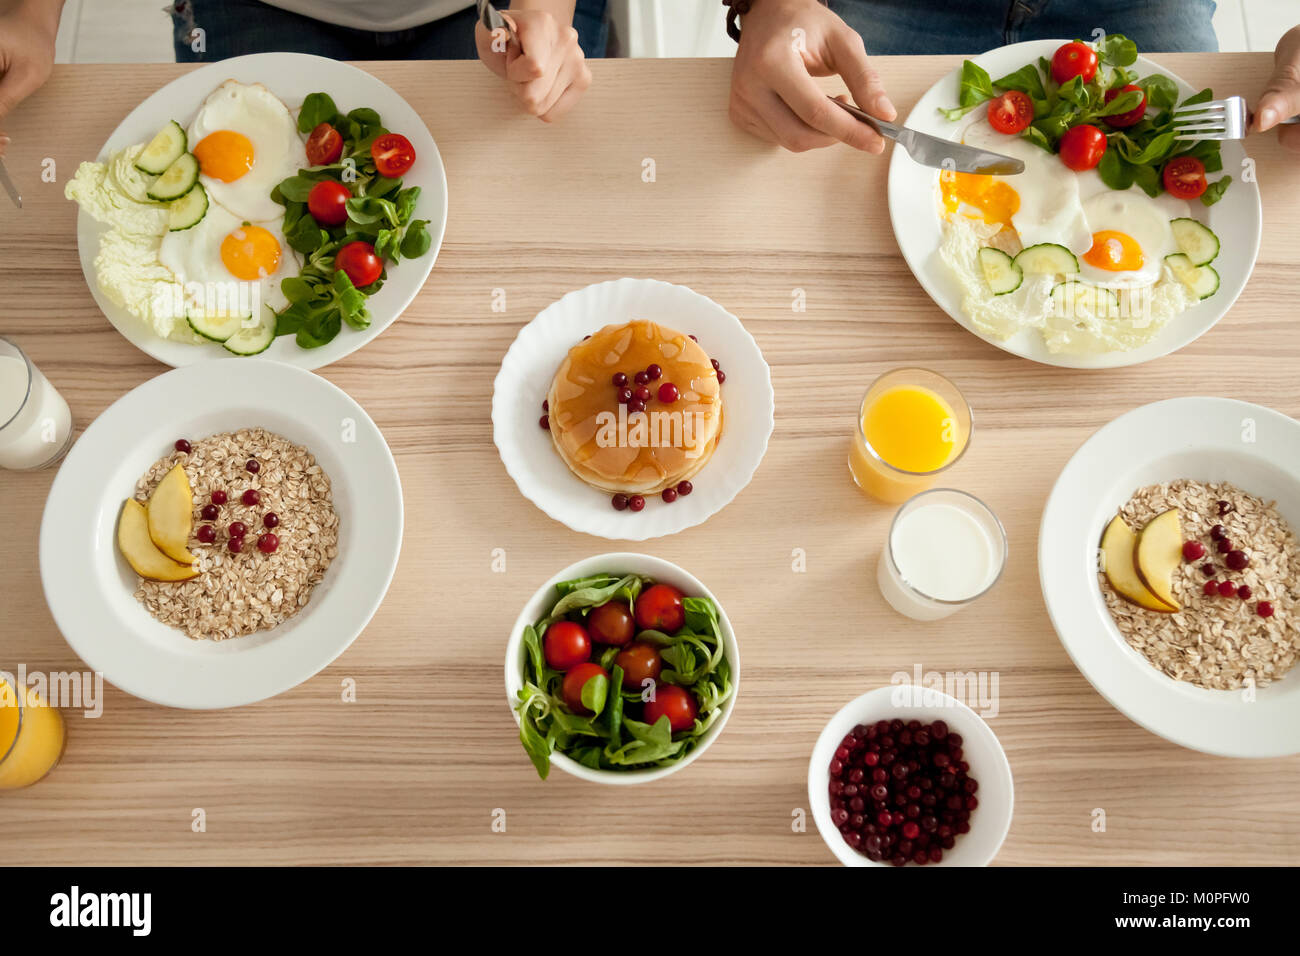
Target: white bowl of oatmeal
column 251, row 624
column 1213, row 671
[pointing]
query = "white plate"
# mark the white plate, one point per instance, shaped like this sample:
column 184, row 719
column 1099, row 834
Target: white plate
column 663, row 572
column 1199, row 438
column 290, row 76
column 540, row 347
column 989, row 822
column 1236, row 219
column 89, row 586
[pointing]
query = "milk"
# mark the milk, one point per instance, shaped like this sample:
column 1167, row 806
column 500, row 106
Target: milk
column 945, row 549
column 35, row 423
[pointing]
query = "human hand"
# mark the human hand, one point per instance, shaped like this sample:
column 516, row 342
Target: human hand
column 27, row 32
column 783, row 45
column 545, row 69
column 1281, row 97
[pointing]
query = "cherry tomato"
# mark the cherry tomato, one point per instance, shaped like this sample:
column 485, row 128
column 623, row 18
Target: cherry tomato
column 1074, row 59
column 393, row 154
column 676, row 703
column 324, row 145
column 574, row 681
column 359, row 261
column 328, row 203
column 1184, row 177
column 566, row 645
column 611, row 623
column 640, row 662
column 1082, row 147
column 1133, row 116
column 660, row 608
column 1011, row 112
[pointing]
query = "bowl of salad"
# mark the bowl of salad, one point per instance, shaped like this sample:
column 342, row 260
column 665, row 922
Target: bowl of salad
column 622, row 668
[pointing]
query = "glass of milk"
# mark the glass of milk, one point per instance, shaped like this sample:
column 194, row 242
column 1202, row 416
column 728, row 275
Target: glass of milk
column 945, row 549
column 35, row 423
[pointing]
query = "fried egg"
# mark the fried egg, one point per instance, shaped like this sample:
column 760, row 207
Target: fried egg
column 1131, row 236
column 246, row 143
column 225, row 263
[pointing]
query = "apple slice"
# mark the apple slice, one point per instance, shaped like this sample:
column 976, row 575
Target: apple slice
column 1158, row 553
column 137, row 547
column 171, row 515
column 1118, row 543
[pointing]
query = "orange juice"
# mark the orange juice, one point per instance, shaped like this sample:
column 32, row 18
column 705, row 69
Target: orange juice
column 31, row 737
column 912, row 425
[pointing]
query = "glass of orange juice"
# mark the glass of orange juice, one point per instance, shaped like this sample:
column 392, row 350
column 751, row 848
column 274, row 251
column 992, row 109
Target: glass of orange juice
column 31, row 736
column 913, row 425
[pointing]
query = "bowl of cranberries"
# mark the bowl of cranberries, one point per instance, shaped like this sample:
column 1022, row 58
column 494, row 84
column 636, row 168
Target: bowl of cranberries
column 909, row 776
column 622, row 668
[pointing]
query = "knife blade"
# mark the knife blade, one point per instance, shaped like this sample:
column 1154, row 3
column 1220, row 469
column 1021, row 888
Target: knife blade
column 492, row 19
column 940, row 153
column 9, row 186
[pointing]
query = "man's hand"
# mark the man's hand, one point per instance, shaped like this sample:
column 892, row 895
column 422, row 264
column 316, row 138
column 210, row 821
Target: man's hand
column 783, row 45
column 1281, row 97
column 27, row 32
column 545, row 70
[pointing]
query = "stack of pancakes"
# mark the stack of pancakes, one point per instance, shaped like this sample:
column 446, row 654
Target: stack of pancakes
column 674, row 441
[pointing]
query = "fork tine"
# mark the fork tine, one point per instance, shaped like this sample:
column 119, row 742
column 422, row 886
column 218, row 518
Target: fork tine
column 1194, row 139
column 1206, row 128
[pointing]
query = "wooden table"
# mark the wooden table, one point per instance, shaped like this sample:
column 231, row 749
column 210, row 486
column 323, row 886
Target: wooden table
column 414, row 770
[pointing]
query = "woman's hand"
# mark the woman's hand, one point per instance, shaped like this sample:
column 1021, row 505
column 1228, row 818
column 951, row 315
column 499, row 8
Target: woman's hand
column 27, row 32
column 1281, row 97
column 783, row 45
column 545, row 69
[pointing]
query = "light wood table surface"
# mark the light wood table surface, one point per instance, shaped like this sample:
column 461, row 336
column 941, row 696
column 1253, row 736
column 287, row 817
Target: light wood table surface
column 415, row 768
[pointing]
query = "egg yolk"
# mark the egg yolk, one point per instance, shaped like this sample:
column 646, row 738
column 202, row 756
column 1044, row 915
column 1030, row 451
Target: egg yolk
column 250, row 253
column 995, row 199
column 1114, row 252
column 224, row 155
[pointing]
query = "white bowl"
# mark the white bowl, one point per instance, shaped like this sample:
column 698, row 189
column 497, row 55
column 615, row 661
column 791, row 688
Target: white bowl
column 619, row 562
column 1201, row 438
column 90, row 587
column 989, row 822
column 540, row 347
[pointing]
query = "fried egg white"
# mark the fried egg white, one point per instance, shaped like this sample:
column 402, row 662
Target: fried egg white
column 246, row 143
column 227, row 261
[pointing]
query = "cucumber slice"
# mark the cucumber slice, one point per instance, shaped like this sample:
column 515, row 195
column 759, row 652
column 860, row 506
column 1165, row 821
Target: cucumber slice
column 188, row 211
column 177, row 179
column 1195, row 240
column 1001, row 273
column 254, row 339
column 163, row 150
column 1071, row 298
column 218, row 327
column 1202, row 280
column 1047, row 258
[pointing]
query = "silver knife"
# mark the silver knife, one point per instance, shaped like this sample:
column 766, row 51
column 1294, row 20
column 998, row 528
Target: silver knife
column 940, row 153
column 492, row 19
column 9, row 186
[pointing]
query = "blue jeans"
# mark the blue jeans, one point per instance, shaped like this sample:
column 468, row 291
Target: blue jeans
column 235, row 27
column 974, row 26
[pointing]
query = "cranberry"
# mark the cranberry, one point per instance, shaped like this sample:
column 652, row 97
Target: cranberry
column 183, row 446
column 624, row 396
column 1210, row 588
column 619, row 379
column 1244, row 592
column 692, row 338
column 1208, row 569
column 544, row 422
column 1193, row 550
column 669, row 495
column 636, row 502
column 619, row 502
column 668, row 393
column 237, row 529
column 267, row 543
column 641, row 378
column 1264, row 609
column 643, row 393
column 253, row 466
column 636, row 405
column 252, row 497
column 1224, row 507
column 1224, row 545
column 653, row 372
column 206, row 533
column 716, row 366
column 1227, row 589
column 270, row 519
column 1237, row 560
column 546, row 405
column 218, row 497
column 235, row 544
column 209, row 512
column 722, row 376
column 1217, row 532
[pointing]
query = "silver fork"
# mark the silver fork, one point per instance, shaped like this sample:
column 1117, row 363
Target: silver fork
column 1216, row 119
